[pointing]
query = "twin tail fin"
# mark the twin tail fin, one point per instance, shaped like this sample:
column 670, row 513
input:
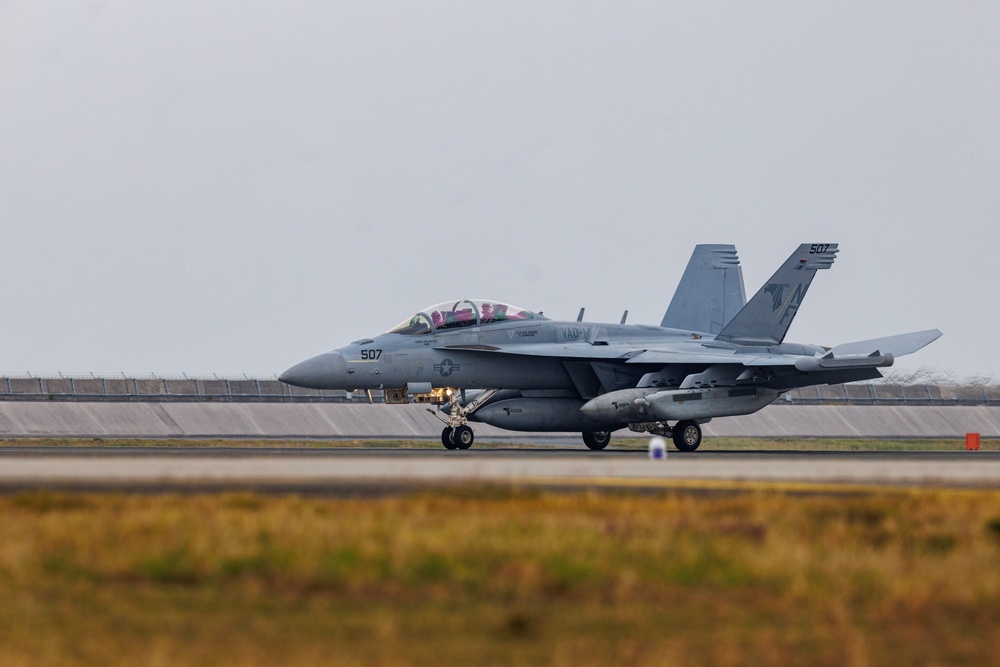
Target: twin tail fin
column 765, row 319
column 710, row 292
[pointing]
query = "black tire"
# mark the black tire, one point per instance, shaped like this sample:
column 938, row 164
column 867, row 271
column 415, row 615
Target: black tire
column 687, row 436
column 597, row 440
column 463, row 437
column 446, row 438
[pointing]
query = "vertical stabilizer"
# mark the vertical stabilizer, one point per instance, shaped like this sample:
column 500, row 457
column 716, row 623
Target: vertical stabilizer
column 766, row 317
column 710, row 292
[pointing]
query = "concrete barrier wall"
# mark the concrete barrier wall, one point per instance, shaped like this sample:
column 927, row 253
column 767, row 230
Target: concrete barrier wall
column 158, row 389
column 861, row 421
column 345, row 420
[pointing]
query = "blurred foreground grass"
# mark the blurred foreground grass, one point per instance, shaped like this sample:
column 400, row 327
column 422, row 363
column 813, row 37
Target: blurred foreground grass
column 501, row 577
column 637, row 443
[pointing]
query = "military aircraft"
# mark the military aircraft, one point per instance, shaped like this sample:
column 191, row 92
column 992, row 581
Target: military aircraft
column 714, row 354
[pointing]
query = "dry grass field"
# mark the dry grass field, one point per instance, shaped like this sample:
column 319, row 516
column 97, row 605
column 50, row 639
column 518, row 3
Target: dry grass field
column 502, row 577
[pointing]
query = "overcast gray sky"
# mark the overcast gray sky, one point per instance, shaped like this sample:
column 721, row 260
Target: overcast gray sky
column 231, row 187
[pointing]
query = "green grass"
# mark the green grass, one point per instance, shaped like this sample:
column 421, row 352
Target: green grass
column 501, row 577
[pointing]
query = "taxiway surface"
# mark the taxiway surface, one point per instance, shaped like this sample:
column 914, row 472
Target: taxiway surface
column 381, row 470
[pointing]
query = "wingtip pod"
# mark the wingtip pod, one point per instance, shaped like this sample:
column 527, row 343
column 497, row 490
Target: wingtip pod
column 828, row 361
column 897, row 346
column 877, row 352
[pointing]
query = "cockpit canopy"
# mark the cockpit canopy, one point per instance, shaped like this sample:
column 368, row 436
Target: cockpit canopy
column 458, row 314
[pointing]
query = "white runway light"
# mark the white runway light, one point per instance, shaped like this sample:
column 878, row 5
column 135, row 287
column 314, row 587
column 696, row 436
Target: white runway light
column 657, row 448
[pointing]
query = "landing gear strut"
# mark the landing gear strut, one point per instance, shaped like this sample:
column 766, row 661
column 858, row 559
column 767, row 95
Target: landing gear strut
column 687, row 435
column 456, row 434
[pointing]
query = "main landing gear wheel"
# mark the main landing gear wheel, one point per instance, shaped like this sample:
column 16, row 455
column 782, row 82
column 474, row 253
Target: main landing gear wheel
column 446, row 438
column 462, row 437
column 598, row 440
column 687, row 436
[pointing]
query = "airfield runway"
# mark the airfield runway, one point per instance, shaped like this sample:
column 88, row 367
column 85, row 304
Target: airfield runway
column 341, row 471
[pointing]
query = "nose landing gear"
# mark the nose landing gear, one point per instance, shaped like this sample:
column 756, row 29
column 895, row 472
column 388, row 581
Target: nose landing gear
column 457, row 438
column 457, row 434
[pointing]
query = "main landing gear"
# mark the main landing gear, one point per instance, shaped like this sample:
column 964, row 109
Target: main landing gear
column 687, row 435
column 597, row 440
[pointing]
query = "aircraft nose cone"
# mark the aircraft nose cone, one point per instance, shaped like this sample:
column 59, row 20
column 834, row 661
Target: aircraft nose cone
column 325, row 371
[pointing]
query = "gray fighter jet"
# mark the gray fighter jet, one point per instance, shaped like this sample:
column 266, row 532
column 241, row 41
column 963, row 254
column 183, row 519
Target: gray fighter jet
column 713, row 355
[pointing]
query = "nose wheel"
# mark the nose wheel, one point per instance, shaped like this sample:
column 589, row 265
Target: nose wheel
column 462, row 437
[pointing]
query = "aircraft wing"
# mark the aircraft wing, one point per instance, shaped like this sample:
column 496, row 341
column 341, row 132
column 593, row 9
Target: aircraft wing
column 897, row 346
column 560, row 350
column 861, row 354
column 874, row 352
column 633, row 353
column 654, row 356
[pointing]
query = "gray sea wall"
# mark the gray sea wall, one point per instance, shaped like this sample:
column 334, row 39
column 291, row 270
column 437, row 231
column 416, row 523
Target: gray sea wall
column 362, row 420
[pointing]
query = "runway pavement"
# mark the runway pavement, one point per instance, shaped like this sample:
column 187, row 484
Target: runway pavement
column 337, row 471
